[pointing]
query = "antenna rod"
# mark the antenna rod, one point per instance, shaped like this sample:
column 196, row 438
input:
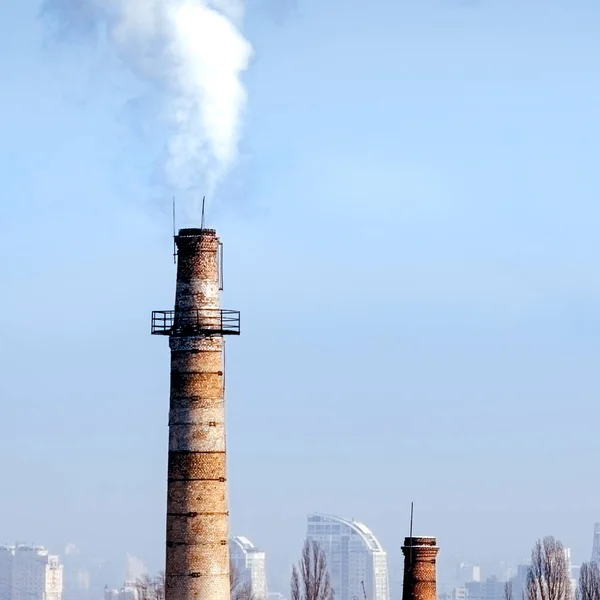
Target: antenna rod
column 411, row 533
column 174, row 234
column 202, row 221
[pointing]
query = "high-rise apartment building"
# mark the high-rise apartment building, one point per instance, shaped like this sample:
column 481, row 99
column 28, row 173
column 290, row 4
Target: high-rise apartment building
column 518, row 583
column 6, row 555
column 249, row 564
column 596, row 544
column 29, row 573
column 354, row 557
column 467, row 572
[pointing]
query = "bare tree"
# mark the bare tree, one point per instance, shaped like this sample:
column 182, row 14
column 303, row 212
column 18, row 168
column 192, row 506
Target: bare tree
column 153, row 588
column 548, row 576
column 310, row 580
column 240, row 589
column 235, row 577
column 588, row 586
column 530, row 591
column 508, row 590
column 295, row 584
column 150, row 588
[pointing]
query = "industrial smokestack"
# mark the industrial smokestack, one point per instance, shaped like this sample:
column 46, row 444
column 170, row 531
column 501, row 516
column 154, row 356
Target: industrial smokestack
column 419, row 568
column 197, row 562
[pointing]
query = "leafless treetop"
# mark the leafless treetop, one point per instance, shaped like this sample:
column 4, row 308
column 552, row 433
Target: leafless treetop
column 588, row 586
column 310, row 580
column 153, row 588
column 548, row 577
column 150, row 588
column 508, row 590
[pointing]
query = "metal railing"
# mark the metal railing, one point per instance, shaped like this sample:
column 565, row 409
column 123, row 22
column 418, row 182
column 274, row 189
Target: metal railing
column 205, row 321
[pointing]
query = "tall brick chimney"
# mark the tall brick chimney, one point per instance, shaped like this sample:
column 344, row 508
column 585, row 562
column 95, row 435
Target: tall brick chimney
column 419, row 568
column 197, row 557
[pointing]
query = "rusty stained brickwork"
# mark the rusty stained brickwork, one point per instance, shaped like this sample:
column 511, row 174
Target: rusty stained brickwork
column 419, row 568
column 197, row 561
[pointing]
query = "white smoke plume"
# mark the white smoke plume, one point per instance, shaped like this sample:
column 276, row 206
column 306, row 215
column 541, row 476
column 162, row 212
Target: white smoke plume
column 195, row 54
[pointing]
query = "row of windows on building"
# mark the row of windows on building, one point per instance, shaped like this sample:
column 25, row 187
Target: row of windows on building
column 29, row 573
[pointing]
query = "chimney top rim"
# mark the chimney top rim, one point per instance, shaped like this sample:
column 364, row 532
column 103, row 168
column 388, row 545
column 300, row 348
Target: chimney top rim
column 420, row 541
column 196, row 232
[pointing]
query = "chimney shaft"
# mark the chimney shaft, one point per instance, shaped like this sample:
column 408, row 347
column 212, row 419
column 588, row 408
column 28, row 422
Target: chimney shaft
column 197, row 557
column 419, row 568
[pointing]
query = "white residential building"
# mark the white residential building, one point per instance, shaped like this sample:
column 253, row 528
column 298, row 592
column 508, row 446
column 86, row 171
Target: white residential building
column 249, row 562
column 457, row 593
column 354, row 557
column 29, row 573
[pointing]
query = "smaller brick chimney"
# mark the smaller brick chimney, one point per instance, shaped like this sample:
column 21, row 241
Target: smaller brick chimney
column 419, row 568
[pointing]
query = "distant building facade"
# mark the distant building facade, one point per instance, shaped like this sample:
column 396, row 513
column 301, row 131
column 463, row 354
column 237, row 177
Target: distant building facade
column 596, row 544
column 6, row 562
column 354, row 557
column 29, row 573
column 76, row 575
column 519, row 582
column 457, row 593
column 249, row 562
column 128, row 592
column 572, row 579
column 135, row 572
column 467, row 572
column 490, row 588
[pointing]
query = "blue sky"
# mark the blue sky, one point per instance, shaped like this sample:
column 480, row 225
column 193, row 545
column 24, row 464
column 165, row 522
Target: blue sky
column 410, row 234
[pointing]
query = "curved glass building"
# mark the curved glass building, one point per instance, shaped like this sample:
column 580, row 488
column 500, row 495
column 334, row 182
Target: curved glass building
column 249, row 562
column 354, row 557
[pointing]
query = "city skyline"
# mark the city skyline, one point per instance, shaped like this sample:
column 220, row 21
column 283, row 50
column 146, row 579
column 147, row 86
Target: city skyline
column 470, row 581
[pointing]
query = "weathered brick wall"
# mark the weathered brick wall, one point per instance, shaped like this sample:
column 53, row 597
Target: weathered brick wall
column 197, row 565
column 419, row 568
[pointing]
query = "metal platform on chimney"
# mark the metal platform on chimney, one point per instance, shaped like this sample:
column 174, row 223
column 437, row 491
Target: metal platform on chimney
column 204, row 322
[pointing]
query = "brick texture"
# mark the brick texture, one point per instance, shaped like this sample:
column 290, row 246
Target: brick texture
column 419, row 568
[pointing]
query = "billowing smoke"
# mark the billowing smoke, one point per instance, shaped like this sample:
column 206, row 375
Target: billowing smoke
column 194, row 52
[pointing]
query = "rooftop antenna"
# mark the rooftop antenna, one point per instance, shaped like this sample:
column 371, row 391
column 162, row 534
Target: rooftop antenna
column 174, row 234
column 202, row 221
column 411, row 533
